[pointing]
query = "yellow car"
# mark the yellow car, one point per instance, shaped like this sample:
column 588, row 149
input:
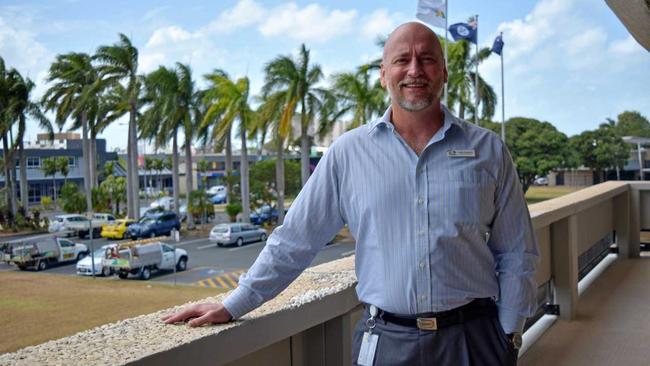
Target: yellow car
column 118, row 230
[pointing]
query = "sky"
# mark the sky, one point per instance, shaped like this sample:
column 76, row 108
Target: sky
column 569, row 62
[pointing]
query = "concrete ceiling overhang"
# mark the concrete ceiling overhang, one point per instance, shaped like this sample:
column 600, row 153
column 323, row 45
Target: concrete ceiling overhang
column 635, row 16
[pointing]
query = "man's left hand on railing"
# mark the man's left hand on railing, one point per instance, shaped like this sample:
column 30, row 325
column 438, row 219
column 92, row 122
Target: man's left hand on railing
column 200, row 314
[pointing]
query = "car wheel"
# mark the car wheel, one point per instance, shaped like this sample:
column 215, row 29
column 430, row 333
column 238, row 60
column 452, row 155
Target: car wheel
column 22, row 268
column 263, row 237
column 145, row 273
column 81, row 256
column 240, row 242
column 106, row 271
column 219, row 244
column 42, row 265
column 123, row 275
column 182, row 264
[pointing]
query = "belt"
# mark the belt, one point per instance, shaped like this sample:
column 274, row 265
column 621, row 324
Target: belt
column 478, row 308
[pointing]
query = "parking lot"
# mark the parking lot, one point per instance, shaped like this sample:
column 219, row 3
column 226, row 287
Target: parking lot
column 208, row 266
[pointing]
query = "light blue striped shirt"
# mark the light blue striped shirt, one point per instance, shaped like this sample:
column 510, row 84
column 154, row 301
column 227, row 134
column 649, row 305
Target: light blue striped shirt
column 432, row 231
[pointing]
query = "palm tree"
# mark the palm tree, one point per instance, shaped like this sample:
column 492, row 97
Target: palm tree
column 49, row 167
column 271, row 116
column 6, row 123
column 171, row 96
column 22, row 107
column 298, row 79
column 229, row 99
column 359, row 95
column 460, row 85
column 63, row 167
column 116, row 63
column 72, row 95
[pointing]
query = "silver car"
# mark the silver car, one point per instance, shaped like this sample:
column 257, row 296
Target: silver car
column 236, row 233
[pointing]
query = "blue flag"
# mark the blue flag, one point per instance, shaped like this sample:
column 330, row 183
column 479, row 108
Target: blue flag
column 497, row 46
column 463, row 31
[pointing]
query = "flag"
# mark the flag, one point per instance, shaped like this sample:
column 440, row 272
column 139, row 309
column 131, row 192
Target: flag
column 497, row 46
column 432, row 12
column 463, row 31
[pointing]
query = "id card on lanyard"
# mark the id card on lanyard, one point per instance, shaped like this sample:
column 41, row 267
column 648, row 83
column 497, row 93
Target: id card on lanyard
column 369, row 341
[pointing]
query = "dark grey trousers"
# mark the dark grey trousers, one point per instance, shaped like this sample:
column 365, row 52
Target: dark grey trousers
column 477, row 342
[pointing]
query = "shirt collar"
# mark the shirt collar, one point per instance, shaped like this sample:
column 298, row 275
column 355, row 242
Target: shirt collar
column 384, row 120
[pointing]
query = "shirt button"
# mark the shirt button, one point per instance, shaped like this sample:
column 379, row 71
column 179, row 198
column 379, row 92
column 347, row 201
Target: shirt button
column 421, row 232
column 423, row 297
column 421, row 264
column 420, row 200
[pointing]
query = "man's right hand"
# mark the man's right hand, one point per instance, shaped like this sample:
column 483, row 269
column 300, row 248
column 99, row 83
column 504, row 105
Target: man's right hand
column 200, row 314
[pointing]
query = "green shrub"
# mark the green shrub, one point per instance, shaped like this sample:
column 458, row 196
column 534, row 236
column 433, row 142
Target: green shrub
column 46, row 202
column 232, row 209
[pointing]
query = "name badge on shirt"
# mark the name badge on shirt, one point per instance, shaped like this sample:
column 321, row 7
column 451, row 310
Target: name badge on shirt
column 461, row 153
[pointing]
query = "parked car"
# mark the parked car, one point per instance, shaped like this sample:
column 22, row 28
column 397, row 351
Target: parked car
column 264, row 214
column 236, row 233
column 142, row 258
column 219, row 198
column 83, row 227
column 541, row 181
column 58, row 222
column 85, row 266
column 216, row 189
column 117, row 230
column 43, row 253
column 166, row 203
column 154, row 225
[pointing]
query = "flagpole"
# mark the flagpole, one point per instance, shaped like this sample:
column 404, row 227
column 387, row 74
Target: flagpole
column 446, row 41
column 503, row 100
column 476, row 77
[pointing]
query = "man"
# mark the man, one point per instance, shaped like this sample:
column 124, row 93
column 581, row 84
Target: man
column 441, row 225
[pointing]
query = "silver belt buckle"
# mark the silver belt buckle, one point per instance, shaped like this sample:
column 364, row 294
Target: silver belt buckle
column 427, row 323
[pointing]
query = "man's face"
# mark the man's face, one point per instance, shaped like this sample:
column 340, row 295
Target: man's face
column 413, row 68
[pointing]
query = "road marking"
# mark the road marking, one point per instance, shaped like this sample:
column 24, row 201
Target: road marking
column 206, row 246
column 345, row 254
column 246, row 247
column 226, row 281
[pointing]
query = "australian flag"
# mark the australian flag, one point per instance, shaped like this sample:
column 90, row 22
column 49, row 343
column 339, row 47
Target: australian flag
column 497, row 46
column 463, row 31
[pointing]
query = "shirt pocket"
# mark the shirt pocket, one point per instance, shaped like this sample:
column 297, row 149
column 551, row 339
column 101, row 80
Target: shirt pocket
column 462, row 196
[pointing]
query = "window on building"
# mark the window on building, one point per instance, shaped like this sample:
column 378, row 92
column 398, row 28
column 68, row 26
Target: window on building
column 34, row 193
column 33, row 162
column 72, row 162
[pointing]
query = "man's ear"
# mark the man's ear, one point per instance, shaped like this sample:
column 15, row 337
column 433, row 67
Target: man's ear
column 382, row 73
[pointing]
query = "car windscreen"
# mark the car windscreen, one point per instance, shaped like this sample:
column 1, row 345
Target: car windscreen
column 146, row 220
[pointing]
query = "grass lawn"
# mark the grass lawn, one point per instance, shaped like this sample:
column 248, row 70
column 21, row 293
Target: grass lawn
column 542, row 193
column 37, row 307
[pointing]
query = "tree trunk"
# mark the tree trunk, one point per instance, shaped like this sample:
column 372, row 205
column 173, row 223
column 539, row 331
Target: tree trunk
column 133, row 162
column 129, row 179
column 260, row 152
column 279, row 180
column 243, row 174
column 228, row 164
column 304, row 157
column 93, row 159
column 461, row 111
column 175, row 179
column 85, row 147
column 24, row 188
column 8, row 158
column 54, row 188
column 189, row 178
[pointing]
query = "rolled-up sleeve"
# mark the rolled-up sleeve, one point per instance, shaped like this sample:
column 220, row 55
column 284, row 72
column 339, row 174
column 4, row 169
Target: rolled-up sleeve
column 515, row 250
column 313, row 219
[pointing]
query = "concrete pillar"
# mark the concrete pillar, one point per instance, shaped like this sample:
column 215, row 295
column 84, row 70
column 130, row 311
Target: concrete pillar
column 564, row 248
column 621, row 216
column 635, row 224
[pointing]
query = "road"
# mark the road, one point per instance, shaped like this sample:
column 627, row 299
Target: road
column 208, row 265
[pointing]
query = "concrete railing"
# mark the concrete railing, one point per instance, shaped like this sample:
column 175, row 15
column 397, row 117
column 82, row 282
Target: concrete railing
column 312, row 321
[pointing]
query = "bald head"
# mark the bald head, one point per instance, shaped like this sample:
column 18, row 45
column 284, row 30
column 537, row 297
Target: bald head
column 407, row 32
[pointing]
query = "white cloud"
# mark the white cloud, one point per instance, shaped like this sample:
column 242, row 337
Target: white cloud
column 20, row 49
column 625, row 46
column 245, row 13
column 379, row 23
column 166, row 35
column 312, row 23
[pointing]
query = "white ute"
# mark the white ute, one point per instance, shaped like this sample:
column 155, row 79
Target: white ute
column 141, row 257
